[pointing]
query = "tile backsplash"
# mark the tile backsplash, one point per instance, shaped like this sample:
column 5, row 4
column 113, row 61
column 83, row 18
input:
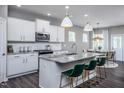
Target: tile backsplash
column 34, row 46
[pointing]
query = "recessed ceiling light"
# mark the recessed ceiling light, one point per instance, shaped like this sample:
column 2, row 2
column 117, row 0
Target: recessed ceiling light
column 71, row 16
column 66, row 7
column 85, row 15
column 48, row 14
column 18, row 5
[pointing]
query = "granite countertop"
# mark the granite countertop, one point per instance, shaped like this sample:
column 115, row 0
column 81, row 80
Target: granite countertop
column 65, row 58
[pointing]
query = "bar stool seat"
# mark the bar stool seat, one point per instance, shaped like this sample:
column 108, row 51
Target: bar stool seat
column 73, row 73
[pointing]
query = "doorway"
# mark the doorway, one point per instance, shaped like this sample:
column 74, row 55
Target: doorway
column 117, row 44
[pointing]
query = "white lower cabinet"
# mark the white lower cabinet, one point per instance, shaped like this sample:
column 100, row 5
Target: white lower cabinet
column 31, row 62
column 21, row 63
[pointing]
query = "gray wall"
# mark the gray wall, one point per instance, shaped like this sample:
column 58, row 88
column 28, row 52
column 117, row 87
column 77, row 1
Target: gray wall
column 23, row 14
column 3, row 11
column 115, row 30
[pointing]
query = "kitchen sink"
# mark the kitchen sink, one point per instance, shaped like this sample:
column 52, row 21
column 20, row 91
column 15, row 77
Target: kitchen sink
column 71, row 53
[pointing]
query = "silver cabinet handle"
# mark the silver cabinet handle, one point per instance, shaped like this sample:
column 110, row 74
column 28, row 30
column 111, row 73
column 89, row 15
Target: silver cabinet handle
column 23, row 38
column 31, row 55
column 16, row 56
column 26, row 60
column 23, row 60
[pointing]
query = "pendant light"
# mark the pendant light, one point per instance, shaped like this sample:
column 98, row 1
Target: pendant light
column 88, row 27
column 66, row 22
column 97, row 38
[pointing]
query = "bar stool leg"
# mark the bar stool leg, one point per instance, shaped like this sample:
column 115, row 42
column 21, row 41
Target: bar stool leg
column 100, row 72
column 105, row 72
column 71, row 84
column 82, row 78
column 60, row 81
column 76, row 81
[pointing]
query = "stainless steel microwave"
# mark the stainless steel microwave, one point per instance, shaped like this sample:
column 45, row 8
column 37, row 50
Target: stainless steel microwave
column 42, row 37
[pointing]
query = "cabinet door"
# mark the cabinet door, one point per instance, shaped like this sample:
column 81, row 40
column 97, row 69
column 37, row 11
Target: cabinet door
column 61, row 34
column 2, row 49
column 53, row 33
column 15, row 64
column 42, row 26
column 14, row 29
column 47, row 26
column 28, row 32
column 31, row 62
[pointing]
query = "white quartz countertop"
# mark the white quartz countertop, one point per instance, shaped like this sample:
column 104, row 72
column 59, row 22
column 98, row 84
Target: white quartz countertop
column 64, row 58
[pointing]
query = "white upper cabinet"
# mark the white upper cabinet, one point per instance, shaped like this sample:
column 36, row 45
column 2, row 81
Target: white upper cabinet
column 29, row 31
column 14, row 29
column 21, row 30
column 42, row 26
column 53, row 33
column 61, row 34
column 57, row 34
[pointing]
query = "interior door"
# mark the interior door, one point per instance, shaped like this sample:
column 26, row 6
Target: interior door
column 2, row 49
column 117, row 45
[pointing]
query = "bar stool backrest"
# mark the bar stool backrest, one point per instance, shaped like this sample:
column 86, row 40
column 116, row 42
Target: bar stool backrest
column 92, row 65
column 78, row 69
column 101, row 61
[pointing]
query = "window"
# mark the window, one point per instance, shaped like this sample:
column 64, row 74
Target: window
column 71, row 36
column 85, row 38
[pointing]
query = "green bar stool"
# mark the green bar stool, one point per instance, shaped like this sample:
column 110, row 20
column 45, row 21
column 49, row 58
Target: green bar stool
column 101, row 63
column 90, row 67
column 73, row 73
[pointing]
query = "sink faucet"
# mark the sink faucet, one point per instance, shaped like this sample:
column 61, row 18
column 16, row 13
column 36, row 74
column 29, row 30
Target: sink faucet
column 74, row 46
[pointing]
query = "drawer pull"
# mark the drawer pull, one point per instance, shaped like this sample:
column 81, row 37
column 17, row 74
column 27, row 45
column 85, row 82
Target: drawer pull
column 16, row 56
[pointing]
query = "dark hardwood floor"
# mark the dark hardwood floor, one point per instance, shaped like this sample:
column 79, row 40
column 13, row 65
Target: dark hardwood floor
column 115, row 79
column 26, row 81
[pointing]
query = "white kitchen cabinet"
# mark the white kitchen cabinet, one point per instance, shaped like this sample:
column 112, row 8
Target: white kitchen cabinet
column 57, row 34
column 53, row 33
column 21, row 63
column 61, row 34
column 42, row 26
column 28, row 32
column 15, row 64
column 21, row 30
column 15, row 27
column 31, row 62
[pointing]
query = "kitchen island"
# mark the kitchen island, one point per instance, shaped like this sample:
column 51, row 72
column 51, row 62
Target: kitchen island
column 51, row 66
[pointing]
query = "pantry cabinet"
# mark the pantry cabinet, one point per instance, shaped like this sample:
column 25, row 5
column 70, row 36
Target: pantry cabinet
column 42, row 26
column 20, row 30
column 21, row 63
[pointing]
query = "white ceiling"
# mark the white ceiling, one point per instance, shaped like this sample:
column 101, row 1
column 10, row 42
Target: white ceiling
column 111, row 15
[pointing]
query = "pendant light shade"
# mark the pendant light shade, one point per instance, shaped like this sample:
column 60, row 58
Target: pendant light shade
column 98, row 38
column 88, row 27
column 66, row 22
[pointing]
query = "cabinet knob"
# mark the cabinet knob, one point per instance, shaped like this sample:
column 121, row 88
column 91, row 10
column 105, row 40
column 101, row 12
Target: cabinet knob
column 3, row 54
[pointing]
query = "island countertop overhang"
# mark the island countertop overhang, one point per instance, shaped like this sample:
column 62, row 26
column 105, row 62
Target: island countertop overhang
column 63, row 59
